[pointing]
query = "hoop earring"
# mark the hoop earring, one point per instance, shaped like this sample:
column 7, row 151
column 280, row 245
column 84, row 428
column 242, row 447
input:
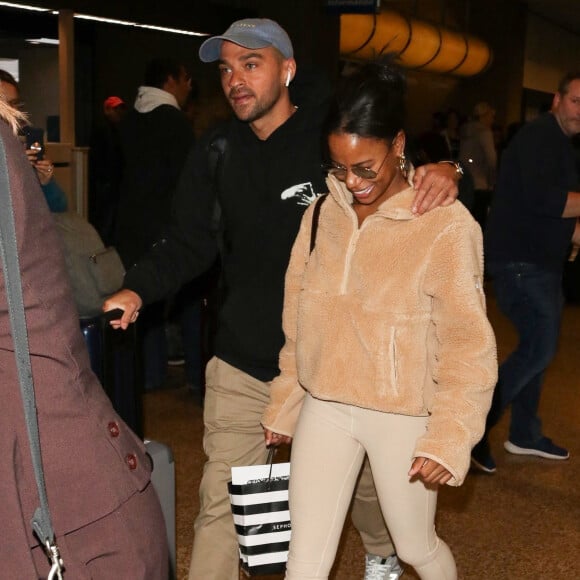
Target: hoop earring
column 403, row 165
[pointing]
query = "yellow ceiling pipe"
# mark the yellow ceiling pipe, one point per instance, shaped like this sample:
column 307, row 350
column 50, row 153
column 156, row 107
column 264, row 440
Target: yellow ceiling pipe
column 419, row 44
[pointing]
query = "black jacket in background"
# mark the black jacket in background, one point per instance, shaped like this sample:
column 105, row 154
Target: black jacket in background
column 537, row 171
column 154, row 147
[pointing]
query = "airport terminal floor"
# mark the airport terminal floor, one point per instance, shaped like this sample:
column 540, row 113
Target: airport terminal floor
column 523, row 522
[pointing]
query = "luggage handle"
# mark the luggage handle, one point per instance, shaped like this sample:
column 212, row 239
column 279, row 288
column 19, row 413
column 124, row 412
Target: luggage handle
column 114, row 314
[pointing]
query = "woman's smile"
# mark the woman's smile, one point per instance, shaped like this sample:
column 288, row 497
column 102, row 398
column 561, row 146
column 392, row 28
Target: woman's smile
column 363, row 193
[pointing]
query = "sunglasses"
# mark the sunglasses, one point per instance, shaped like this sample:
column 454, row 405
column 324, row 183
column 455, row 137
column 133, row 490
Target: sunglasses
column 341, row 172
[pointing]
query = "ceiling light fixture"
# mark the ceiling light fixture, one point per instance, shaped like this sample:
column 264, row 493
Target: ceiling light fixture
column 24, row 7
column 105, row 20
column 51, row 41
column 418, row 44
column 137, row 25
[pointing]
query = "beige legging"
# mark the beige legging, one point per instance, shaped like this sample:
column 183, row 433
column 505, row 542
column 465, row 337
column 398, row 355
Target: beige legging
column 328, row 450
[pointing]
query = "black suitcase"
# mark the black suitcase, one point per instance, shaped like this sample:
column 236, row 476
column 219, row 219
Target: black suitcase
column 114, row 359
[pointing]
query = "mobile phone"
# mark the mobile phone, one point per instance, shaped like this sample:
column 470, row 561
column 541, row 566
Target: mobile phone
column 35, row 140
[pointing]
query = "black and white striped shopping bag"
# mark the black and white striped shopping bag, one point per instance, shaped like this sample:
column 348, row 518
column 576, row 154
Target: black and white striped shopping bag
column 259, row 498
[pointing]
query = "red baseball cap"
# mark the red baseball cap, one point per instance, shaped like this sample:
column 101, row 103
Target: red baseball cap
column 113, row 102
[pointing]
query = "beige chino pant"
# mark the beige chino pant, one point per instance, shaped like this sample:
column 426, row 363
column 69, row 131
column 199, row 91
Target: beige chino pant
column 327, row 453
column 234, row 404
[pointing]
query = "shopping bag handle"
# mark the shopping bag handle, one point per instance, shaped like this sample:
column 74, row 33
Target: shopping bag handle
column 270, row 460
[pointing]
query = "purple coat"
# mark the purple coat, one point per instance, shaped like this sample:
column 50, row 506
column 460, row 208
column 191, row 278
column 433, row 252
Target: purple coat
column 92, row 461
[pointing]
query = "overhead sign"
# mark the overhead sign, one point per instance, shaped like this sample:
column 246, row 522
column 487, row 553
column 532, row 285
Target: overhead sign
column 353, row 6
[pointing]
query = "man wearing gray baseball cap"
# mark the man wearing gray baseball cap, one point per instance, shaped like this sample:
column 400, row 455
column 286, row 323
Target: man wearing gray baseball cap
column 249, row 33
column 269, row 171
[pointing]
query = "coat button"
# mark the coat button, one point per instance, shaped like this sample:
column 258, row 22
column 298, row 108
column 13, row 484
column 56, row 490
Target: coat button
column 113, row 429
column 131, row 460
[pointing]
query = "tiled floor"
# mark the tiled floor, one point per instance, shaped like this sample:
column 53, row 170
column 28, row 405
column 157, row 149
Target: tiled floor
column 521, row 523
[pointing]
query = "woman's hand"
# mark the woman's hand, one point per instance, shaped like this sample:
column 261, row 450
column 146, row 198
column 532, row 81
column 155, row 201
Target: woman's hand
column 44, row 168
column 429, row 471
column 275, row 439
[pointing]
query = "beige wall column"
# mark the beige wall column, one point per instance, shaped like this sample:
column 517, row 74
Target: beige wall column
column 71, row 161
column 66, row 58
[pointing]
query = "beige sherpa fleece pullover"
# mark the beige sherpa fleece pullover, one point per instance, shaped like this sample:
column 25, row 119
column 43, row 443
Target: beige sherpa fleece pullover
column 390, row 316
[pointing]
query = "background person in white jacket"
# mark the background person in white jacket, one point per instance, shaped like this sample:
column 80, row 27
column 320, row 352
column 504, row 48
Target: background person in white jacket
column 478, row 154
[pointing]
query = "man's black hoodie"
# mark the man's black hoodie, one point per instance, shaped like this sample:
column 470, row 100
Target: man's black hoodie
column 262, row 189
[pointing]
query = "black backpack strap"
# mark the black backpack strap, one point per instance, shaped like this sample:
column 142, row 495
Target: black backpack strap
column 216, row 155
column 315, row 217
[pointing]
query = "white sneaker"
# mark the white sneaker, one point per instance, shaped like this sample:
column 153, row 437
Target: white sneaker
column 378, row 568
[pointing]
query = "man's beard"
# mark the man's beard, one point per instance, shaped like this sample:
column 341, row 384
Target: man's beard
column 260, row 109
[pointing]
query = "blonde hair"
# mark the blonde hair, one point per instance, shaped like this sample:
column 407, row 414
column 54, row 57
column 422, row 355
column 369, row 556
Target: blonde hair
column 13, row 117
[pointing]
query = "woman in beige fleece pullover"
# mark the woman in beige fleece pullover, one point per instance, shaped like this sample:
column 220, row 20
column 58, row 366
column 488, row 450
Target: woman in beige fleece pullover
column 388, row 348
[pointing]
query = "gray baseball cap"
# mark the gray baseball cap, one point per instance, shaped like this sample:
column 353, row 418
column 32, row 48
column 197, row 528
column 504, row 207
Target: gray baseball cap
column 249, row 33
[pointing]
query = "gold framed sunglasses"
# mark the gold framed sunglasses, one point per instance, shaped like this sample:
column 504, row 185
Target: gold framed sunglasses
column 340, row 172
